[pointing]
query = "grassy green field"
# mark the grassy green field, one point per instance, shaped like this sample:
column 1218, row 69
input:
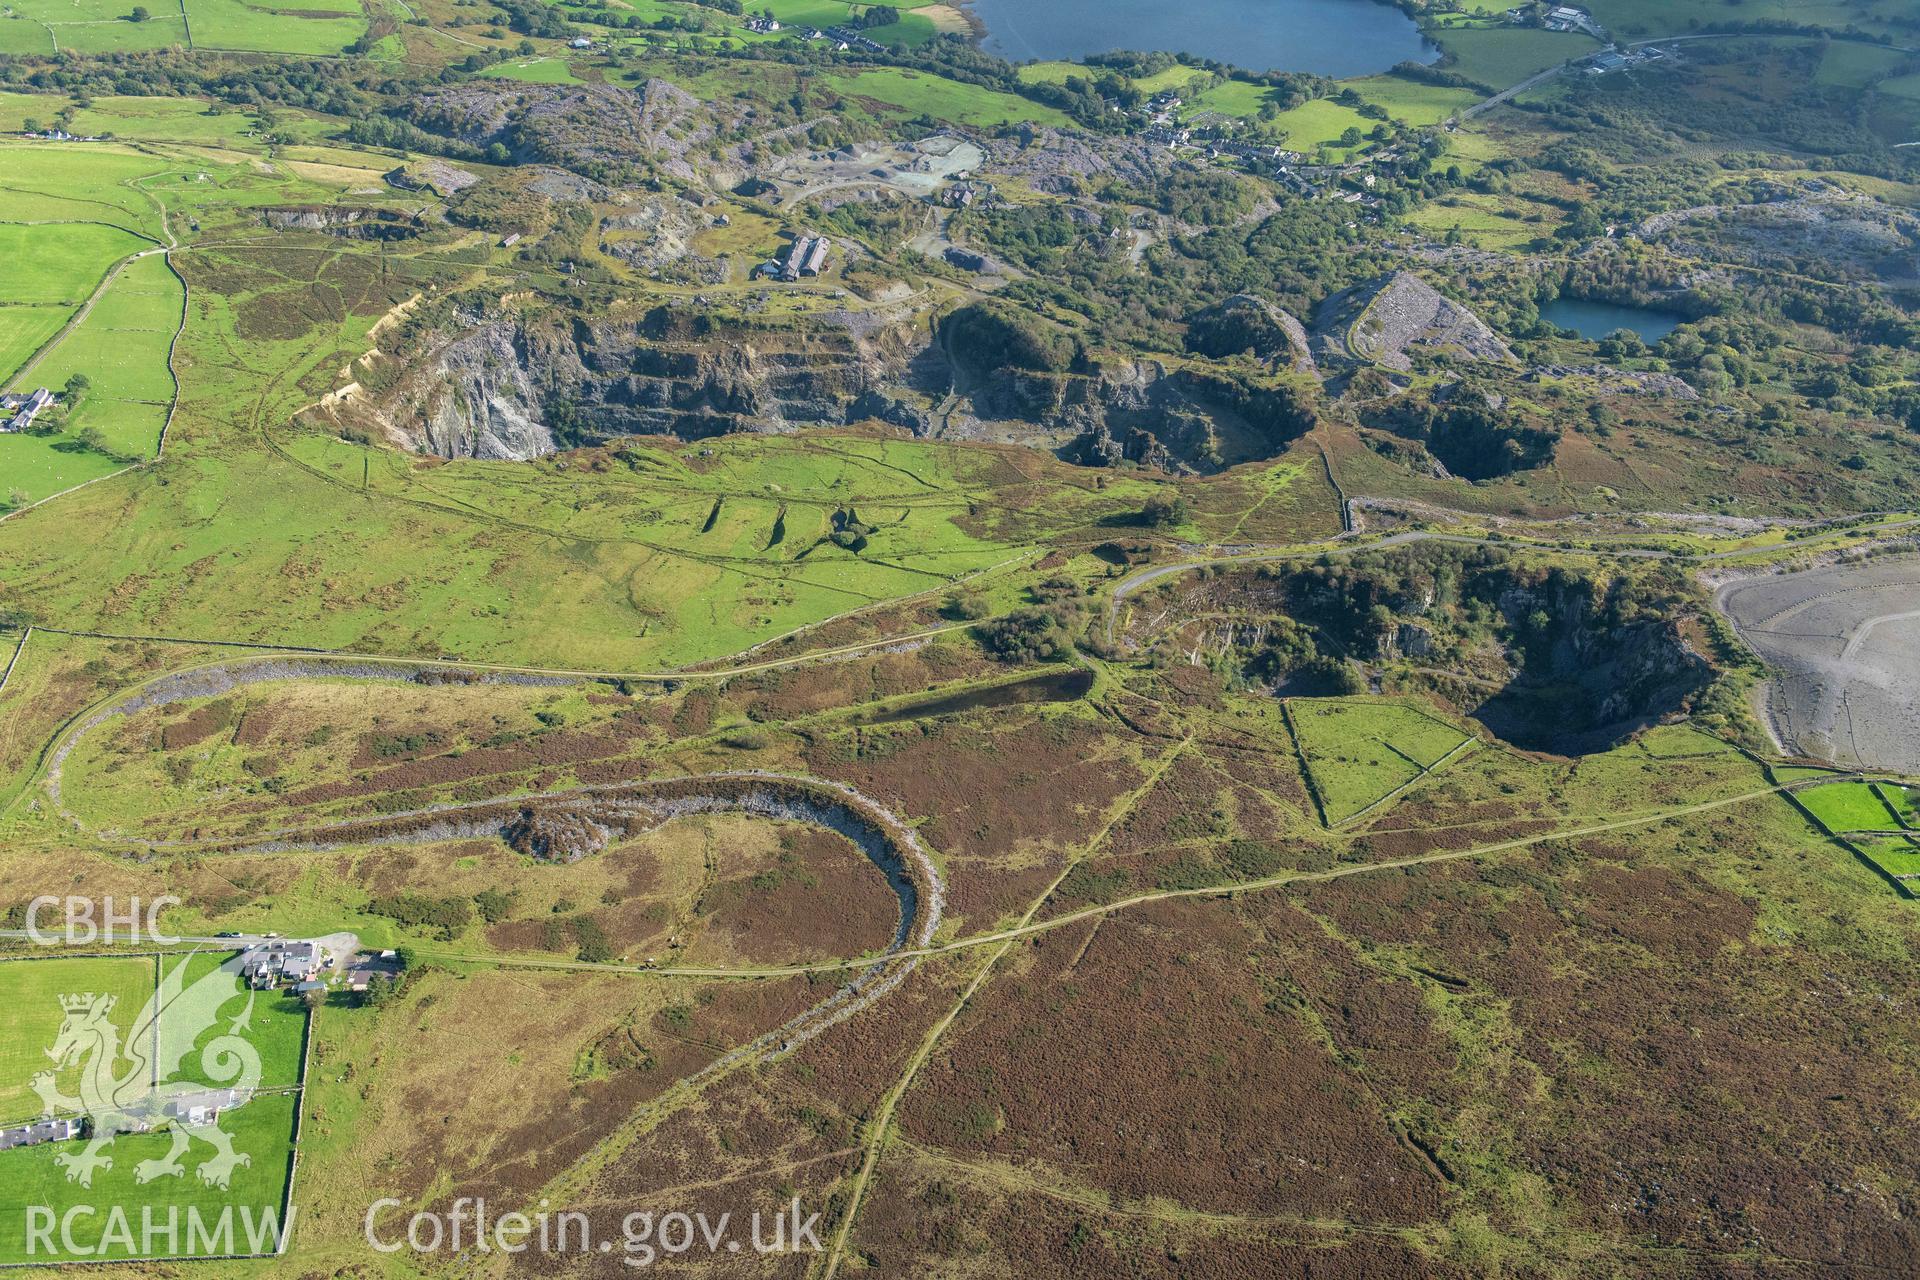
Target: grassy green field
column 30, row 1020
column 105, row 26
column 1904, row 801
column 1412, row 101
column 1052, row 72
column 30, row 1016
column 1177, row 78
column 1642, row 19
column 1848, row 806
column 1854, row 65
column 1906, row 86
column 645, row 10
column 913, row 28
column 122, row 347
column 534, row 71
column 143, row 119
column 1234, row 98
column 77, row 211
column 1801, row 773
column 1898, row 858
column 1320, row 123
column 1486, row 221
column 276, row 1027
column 625, row 558
column 68, row 260
column 98, row 26
column 1502, row 56
column 262, row 1130
column 34, row 467
column 18, row 36
column 23, row 331
column 1361, row 751
column 1681, row 742
column 75, row 182
column 233, row 24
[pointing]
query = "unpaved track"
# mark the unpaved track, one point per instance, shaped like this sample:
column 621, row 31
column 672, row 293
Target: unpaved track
column 1866, row 629
column 25, row 372
column 288, row 663
column 888, row 841
column 1233, row 889
column 882, row 1121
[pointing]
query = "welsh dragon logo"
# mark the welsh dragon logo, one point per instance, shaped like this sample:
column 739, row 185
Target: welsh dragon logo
column 135, row 1085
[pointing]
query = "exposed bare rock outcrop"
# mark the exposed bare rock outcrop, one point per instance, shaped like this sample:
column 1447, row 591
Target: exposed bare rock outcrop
column 1136, row 411
column 474, row 399
column 522, row 379
column 1186, row 420
column 520, row 386
column 1606, row 380
column 1593, row 675
column 1849, row 236
column 1020, row 377
column 1392, row 320
column 433, row 175
column 345, row 221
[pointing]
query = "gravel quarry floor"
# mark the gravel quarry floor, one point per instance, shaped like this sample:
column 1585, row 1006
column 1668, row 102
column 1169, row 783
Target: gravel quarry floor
column 1845, row 644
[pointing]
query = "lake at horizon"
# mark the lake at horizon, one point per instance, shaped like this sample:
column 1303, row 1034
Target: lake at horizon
column 1328, row 37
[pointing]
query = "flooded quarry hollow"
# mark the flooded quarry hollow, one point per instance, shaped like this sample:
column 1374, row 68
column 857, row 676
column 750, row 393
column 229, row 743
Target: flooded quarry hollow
column 1844, row 642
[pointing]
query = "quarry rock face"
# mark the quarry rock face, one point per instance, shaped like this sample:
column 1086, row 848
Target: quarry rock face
column 1140, row 411
column 521, row 384
column 1407, row 640
column 516, row 386
column 519, row 388
column 477, row 401
column 347, row 222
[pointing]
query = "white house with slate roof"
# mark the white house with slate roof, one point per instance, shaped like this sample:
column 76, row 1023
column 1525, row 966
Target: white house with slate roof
column 278, row 960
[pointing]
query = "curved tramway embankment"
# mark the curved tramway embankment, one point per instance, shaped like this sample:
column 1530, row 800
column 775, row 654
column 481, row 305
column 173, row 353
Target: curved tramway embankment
column 599, row 815
column 219, row 678
column 565, row 825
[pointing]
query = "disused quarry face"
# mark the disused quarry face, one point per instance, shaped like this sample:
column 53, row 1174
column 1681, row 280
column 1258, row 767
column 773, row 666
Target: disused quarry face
column 525, row 384
column 1461, row 429
column 1015, row 374
column 1548, row 658
column 517, row 387
column 346, row 222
